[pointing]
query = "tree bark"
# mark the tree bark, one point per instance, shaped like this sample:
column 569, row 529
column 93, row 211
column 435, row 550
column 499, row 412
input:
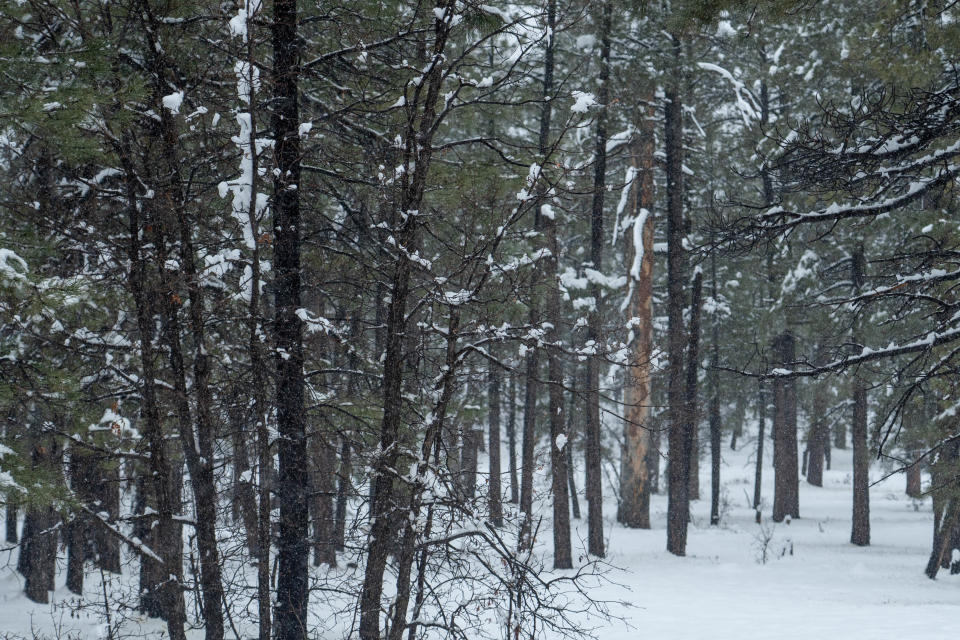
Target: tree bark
column 292, row 545
column 860, row 528
column 495, row 495
column 817, row 440
column 637, row 432
column 758, row 468
column 512, row 437
column 678, row 503
column 594, row 487
column 691, row 406
column 786, row 500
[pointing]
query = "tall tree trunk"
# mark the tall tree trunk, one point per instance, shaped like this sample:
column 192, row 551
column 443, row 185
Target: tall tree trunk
column 344, row 485
column 469, row 453
column 417, row 152
column 761, row 429
column 786, row 496
column 495, row 496
column 528, row 439
column 292, row 545
column 562, row 556
column 39, row 547
column 636, row 455
column 162, row 595
column 817, row 440
column 571, row 438
column 678, row 502
column 715, row 425
column 860, row 527
column 594, row 472
column 323, row 470
column 691, row 409
column 512, row 437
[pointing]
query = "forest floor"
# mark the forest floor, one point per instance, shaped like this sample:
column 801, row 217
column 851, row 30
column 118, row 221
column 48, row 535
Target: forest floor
column 813, row 584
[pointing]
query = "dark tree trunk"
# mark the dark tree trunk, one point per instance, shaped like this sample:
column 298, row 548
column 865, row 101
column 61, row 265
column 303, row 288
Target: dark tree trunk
column 526, row 446
column 860, row 528
column 860, row 531
column 594, row 487
column 160, row 582
column 244, row 497
column 678, row 502
column 343, row 493
column 943, row 528
column 715, row 424
column 321, row 504
column 292, row 545
column 571, row 438
column 761, row 429
column 512, row 437
column 76, row 547
column 562, row 556
column 786, row 500
column 12, row 517
column 384, row 515
column 691, row 409
column 41, row 528
column 691, row 412
column 495, row 495
column 817, row 440
column 472, row 436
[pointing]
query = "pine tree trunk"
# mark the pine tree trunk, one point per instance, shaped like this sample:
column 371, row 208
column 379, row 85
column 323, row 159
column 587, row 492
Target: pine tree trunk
column 678, row 503
column 344, row 488
column 321, row 505
column 758, row 467
column 785, row 458
column 472, row 436
column 512, row 437
column 914, row 481
column 817, row 440
column 860, row 527
column 571, row 438
column 495, row 495
column 637, row 437
column 292, row 545
column 715, row 424
column 691, row 403
column 41, row 530
column 12, row 517
column 860, row 530
column 594, row 488
column 527, row 443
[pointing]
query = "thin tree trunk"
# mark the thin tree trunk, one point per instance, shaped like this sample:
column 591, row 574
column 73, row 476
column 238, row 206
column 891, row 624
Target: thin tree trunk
column 528, row 438
column 761, row 428
column 12, row 517
column 594, row 488
column 817, row 440
column 343, row 493
column 860, row 529
column 715, row 424
column 321, row 505
column 571, row 438
column 512, row 437
column 691, row 410
column 495, row 495
column 469, row 452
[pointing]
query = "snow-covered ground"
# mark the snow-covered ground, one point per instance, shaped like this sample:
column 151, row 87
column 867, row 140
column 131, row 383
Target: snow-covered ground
column 814, row 584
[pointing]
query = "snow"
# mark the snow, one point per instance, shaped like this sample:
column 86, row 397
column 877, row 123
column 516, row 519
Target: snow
column 582, row 101
column 173, row 101
column 561, row 441
column 813, row 584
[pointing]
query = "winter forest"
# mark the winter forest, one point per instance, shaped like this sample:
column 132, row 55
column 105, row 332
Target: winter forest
column 389, row 319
